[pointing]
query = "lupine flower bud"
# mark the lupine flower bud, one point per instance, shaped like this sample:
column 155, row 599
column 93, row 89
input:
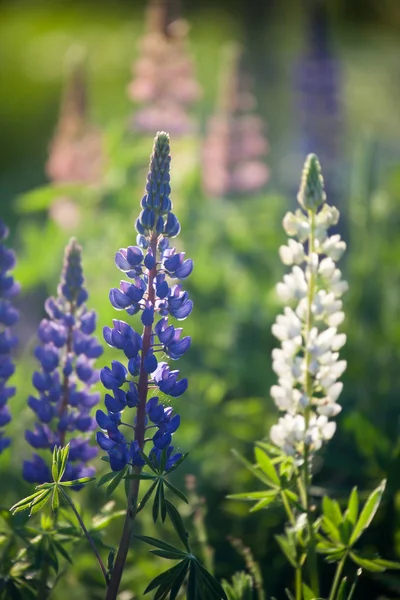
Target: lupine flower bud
column 307, row 363
column 8, row 317
column 64, row 399
column 152, row 270
column 311, row 193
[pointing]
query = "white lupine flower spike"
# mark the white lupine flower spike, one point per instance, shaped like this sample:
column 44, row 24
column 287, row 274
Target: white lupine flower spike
column 307, row 363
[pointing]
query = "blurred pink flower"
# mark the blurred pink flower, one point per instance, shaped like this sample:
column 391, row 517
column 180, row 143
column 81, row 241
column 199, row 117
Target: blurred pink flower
column 235, row 147
column 76, row 151
column 163, row 77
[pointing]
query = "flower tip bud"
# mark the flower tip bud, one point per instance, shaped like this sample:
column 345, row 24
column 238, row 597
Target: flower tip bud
column 311, row 193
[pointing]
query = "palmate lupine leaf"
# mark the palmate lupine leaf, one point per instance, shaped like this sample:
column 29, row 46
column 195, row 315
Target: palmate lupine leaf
column 201, row 584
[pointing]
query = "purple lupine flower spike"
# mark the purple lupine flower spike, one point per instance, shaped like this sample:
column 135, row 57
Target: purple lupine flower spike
column 64, row 398
column 152, row 269
column 8, row 317
column 318, row 83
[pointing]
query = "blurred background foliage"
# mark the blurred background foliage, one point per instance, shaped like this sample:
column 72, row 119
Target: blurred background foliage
column 326, row 78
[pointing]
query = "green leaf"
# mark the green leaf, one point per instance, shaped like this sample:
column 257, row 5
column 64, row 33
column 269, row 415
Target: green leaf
column 374, row 563
column 326, row 547
column 25, row 502
column 341, row 595
column 158, row 544
column 61, row 550
column 367, row 563
column 147, row 496
column 251, row 496
column 54, row 469
column 156, row 502
column 55, row 501
column 167, row 554
column 331, row 530
column 39, row 502
column 352, row 508
column 63, row 454
column 179, row 580
column 266, row 465
column 263, row 503
column 289, row 595
column 80, row 481
column 175, row 491
column 256, row 472
column 178, row 462
column 308, row 594
column 163, row 505
column 368, row 512
column 166, row 578
column 212, row 584
column 331, row 510
column 177, row 522
column 114, row 483
column 142, row 476
column 288, row 549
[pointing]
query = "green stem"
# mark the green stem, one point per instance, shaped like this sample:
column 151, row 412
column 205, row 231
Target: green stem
column 43, row 592
column 308, row 389
column 299, row 584
column 298, row 570
column 336, row 581
column 288, row 510
column 85, row 531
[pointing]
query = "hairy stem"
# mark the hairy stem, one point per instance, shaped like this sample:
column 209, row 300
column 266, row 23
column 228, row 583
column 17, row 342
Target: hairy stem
column 298, row 570
column 336, row 581
column 140, row 430
column 308, row 389
column 85, row 531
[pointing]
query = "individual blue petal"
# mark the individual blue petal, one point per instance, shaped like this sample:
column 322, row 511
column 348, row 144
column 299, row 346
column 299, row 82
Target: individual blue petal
column 117, row 403
column 36, row 470
column 118, row 299
column 114, row 377
column 185, row 269
column 84, row 369
column 149, row 261
column 176, row 349
column 132, row 396
column 150, row 362
column 88, row 322
column 48, row 357
column 147, row 317
column 104, row 441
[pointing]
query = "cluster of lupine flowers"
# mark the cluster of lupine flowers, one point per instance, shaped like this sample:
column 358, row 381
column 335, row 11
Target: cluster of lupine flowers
column 8, row 318
column 153, row 270
column 235, row 147
column 307, row 363
column 164, row 83
column 67, row 352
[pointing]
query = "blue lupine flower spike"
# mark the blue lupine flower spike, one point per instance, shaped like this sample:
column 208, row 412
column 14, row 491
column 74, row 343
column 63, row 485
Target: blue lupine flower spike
column 64, row 398
column 153, row 270
column 8, row 317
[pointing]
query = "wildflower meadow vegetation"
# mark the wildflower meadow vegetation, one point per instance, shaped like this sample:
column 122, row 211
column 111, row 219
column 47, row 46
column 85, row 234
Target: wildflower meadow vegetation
column 199, row 325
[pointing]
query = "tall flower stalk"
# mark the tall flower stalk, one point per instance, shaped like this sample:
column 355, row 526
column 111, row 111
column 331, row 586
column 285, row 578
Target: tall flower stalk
column 67, row 352
column 307, row 364
column 8, row 318
column 152, row 290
